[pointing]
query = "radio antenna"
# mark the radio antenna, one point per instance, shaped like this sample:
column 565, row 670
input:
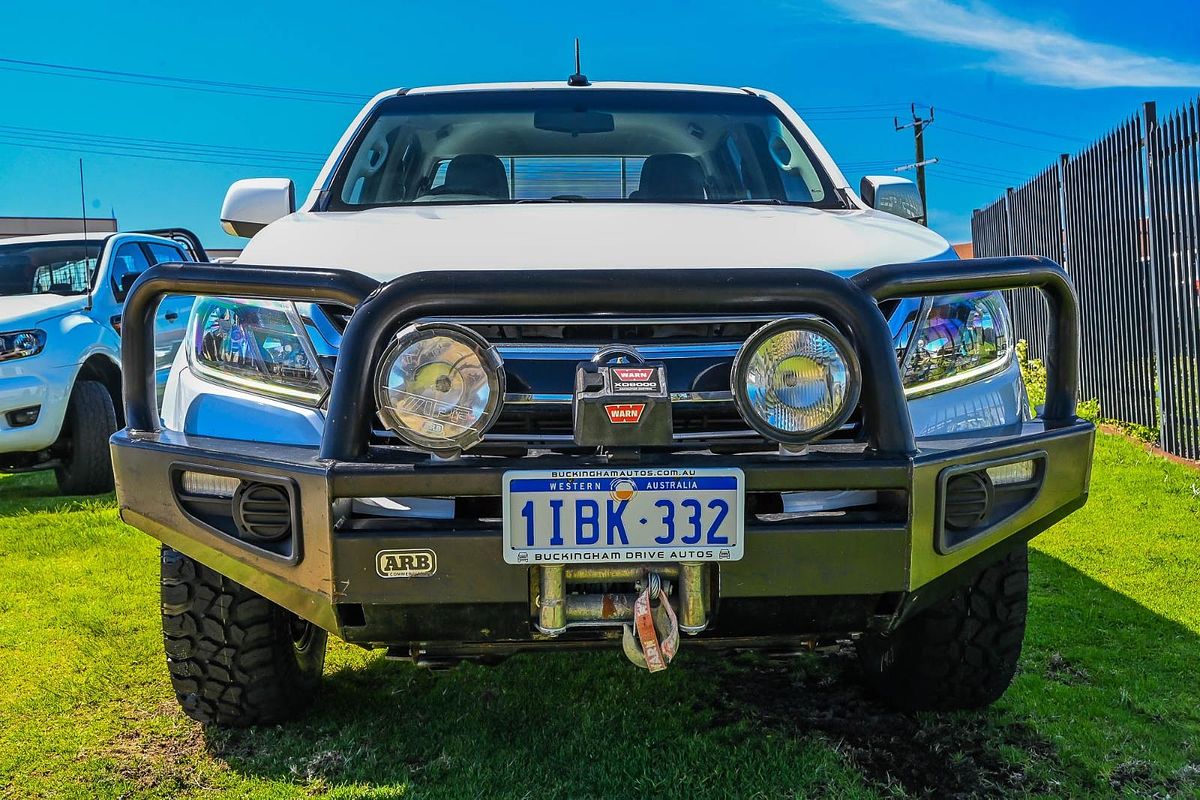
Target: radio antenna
column 578, row 79
column 83, row 208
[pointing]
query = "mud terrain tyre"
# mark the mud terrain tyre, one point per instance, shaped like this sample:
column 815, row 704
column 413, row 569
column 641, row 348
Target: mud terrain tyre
column 960, row 653
column 235, row 658
column 86, row 463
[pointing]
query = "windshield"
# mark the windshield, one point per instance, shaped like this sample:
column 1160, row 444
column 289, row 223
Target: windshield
column 578, row 145
column 48, row 268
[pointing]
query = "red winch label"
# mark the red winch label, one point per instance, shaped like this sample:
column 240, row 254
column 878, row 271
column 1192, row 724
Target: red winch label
column 625, row 412
column 633, row 373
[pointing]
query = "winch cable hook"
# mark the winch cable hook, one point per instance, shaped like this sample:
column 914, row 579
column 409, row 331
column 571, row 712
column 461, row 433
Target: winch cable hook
column 653, row 638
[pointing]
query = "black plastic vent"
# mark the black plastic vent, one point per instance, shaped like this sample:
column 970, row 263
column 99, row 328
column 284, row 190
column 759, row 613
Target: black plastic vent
column 968, row 500
column 263, row 512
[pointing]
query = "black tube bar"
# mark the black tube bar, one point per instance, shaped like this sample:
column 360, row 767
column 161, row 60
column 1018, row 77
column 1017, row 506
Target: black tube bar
column 613, row 292
column 1062, row 338
column 233, row 280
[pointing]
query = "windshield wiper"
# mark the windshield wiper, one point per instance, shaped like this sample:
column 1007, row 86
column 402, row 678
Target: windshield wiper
column 765, row 201
column 558, row 198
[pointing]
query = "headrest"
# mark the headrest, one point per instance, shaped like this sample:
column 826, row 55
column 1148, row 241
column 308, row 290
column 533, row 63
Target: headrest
column 476, row 173
column 671, row 176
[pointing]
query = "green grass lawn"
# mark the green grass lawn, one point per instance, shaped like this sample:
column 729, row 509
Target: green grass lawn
column 1107, row 702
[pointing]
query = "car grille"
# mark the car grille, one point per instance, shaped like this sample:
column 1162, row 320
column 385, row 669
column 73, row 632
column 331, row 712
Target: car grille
column 540, row 356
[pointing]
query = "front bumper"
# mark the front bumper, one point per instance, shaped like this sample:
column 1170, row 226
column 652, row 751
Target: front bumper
column 802, row 577
column 811, row 576
column 21, row 388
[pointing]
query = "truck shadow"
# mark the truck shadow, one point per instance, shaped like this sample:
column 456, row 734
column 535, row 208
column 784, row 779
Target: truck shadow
column 589, row 724
column 36, row 491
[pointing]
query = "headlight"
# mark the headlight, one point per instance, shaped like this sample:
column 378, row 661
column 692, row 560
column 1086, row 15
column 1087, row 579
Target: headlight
column 439, row 386
column 256, row 345
column 796, row 380
column 21, row 344
column 961, row 338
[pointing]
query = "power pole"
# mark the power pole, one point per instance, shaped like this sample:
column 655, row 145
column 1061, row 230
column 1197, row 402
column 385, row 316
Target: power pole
column 918, row 125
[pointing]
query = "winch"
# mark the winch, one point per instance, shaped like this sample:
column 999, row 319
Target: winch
column 621, row 405
column 662, row 600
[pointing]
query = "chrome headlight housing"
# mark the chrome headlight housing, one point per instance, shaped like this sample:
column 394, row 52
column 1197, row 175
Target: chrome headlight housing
column 960, row 338
column 796, row 380
column 21, row 344
column 257, row 345
column 439, row 386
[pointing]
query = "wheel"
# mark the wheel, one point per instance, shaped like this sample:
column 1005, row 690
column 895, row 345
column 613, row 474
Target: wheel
column 960, row 653
column 235, row 658
column 86, row 463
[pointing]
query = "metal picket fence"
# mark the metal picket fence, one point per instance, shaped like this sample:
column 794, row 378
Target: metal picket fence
column 1123, row 217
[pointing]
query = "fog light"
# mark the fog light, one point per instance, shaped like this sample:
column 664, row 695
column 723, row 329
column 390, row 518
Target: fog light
column 23, row 417
column 206, row 484
column 1016, row 472
column 440, row 386
column 796, row 380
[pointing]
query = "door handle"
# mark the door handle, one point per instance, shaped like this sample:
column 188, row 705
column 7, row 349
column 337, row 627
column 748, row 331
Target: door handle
column 170, row 316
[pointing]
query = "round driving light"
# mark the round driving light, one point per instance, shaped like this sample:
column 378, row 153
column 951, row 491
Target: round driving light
column 796, row 380
column 439, row 386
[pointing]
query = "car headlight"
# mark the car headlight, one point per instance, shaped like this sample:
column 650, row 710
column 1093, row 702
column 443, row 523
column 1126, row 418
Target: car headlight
column 796, row 380
column 439, row 386
column 961, row 338
column 21, row 344
column 257, row 345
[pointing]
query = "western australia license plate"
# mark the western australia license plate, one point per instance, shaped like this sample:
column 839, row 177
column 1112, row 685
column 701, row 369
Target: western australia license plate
column 616, row 515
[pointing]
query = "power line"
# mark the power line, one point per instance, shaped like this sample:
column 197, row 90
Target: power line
column 986, row 168
column 1011, row 125
column 998, row 141
column 970, row 179
column 139, row 143
column 873, row 106
column 94, row 151
column 116, row 148
column 193, row 84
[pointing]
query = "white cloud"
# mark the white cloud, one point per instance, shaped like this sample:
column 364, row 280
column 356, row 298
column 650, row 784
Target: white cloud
column 1036, row 53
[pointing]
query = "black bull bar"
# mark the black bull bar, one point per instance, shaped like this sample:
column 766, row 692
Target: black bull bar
column 380, row 309
column 834, row 577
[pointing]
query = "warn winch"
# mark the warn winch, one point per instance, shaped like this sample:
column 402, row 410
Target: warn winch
column 643, row 608
column 621, row 405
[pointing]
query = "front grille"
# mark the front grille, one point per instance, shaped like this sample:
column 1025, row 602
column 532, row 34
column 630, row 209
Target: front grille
column 541, row 354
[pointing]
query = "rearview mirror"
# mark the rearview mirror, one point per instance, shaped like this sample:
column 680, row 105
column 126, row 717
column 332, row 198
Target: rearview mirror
column 898, row 196
column 254, row 203
column 573, row 122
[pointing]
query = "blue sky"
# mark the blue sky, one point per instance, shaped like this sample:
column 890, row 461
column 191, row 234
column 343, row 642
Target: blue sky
column 1071, row 68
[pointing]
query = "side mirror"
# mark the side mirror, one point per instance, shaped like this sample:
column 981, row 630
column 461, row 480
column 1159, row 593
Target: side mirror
column 253, row 204
column 894, row 195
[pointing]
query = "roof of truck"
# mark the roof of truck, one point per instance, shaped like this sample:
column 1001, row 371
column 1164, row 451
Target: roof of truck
column 91, row 236
column 562, row 84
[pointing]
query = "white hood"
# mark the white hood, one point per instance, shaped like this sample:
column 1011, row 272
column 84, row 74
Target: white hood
column 385, row 243
column 30, row 309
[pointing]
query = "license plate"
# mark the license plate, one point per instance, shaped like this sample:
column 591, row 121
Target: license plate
column 616, row 515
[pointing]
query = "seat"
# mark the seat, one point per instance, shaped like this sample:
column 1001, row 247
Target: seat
column 670, row 176
column 477, row 174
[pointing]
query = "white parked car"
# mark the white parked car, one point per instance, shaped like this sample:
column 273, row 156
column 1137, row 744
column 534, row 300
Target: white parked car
column 60, row 315
column 569, row 365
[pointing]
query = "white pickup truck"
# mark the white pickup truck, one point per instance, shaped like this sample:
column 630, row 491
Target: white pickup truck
column 571, row 366
column 60, row 338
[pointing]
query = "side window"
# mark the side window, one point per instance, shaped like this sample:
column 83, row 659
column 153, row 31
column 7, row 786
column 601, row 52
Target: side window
column 129, row 260
column 166, row 252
